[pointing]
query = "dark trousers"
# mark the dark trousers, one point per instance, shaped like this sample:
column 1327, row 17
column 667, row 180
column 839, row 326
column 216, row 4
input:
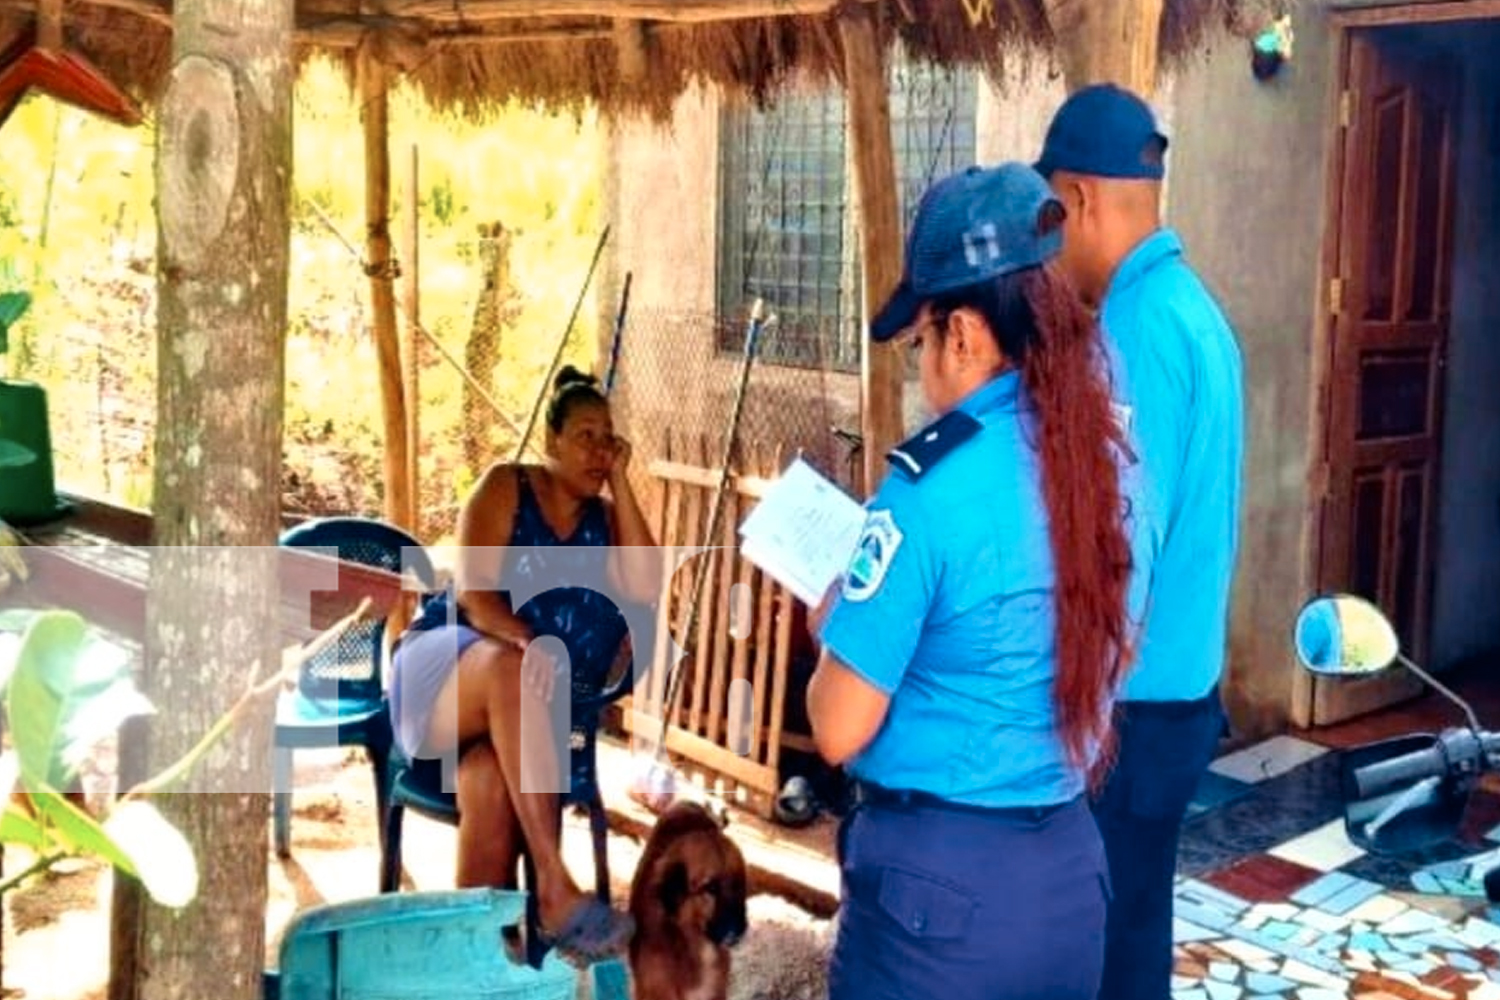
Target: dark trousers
column 1164, row 748
column 945, row 905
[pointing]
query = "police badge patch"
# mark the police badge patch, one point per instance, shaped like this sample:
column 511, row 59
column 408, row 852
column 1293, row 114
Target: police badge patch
column 878, row 542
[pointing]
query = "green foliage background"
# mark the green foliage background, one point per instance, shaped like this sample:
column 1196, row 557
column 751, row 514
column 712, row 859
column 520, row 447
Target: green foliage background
column 77, row 227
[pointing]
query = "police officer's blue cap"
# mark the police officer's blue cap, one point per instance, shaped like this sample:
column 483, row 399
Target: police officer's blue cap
column 973, row 226
column 1104, row 131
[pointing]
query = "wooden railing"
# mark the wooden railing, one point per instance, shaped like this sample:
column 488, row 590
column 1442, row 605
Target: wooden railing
column 729, row 729
column 97, row 562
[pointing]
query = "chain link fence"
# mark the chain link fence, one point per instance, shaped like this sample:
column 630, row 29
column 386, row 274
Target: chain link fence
column 677, row 378
column 679, row 375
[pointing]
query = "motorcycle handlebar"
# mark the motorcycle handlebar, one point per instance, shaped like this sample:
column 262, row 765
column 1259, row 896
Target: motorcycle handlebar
column 1448, row 753
column 1388, row 775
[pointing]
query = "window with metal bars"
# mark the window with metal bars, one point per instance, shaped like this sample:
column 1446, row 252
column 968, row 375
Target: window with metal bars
column 786, row 227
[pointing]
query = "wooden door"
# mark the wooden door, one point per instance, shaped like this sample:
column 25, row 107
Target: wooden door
column 1389, row 309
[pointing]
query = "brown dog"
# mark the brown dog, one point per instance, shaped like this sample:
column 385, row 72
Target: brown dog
column 688, row 901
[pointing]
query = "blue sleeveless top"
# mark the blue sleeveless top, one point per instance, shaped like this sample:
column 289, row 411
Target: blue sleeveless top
column 569, row 593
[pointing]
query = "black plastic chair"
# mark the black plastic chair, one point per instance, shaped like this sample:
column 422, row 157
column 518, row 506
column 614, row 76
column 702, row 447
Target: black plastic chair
column 340, row 695
column 418, row 785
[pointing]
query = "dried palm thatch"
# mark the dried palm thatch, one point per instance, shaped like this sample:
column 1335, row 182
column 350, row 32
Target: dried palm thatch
column 621, row 56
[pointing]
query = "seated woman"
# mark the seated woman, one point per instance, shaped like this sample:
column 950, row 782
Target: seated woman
column 457, row 677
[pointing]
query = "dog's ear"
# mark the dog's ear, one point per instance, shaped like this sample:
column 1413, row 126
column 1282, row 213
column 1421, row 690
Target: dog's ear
column 672, row 888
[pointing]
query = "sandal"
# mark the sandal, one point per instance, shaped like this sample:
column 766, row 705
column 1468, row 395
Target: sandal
column 592, row 933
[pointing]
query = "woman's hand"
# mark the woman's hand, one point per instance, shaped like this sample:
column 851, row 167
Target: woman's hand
column 538, row 673
column 621, row 460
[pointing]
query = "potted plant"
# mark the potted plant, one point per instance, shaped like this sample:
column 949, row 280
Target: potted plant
column 28, row 493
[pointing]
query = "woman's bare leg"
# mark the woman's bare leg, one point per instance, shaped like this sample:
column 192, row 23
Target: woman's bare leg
column 485, row 697
column 489, row 834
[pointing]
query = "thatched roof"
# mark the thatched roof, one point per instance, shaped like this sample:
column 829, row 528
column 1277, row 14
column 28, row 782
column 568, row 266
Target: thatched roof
column 620, row 55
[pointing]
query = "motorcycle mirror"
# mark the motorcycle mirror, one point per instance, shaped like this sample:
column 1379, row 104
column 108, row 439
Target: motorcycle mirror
column 1341, row 635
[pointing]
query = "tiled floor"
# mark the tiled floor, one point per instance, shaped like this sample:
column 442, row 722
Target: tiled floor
column 1274, row 900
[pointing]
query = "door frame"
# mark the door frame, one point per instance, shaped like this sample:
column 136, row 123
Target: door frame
column 1342, row 22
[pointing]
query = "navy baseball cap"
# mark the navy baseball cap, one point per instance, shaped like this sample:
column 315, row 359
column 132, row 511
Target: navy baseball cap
column 973, row 226
column 1104, row 131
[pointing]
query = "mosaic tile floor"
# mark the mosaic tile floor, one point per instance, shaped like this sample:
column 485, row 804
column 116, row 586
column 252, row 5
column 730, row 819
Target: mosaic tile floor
column 1274, row 901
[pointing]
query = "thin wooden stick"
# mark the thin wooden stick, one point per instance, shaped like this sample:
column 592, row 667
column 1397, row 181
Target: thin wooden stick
column 291, row 662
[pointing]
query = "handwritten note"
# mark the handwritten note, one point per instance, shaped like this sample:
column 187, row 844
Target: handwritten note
column 803, row 531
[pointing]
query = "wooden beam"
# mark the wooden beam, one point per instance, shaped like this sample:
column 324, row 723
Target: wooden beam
column 630, row 49
column 154, row 12
column 328, row 32
column 49, row 30
column 348, row 32
column 761, row 777
column 540, row 35
column 879, row 218
column 686, row 11
column 411, row 343
column 1107, row 42
column 316, row 590
column 1437, row 11
column 374, row 94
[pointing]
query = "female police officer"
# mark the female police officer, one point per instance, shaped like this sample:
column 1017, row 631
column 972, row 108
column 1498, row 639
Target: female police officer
column 971, row 657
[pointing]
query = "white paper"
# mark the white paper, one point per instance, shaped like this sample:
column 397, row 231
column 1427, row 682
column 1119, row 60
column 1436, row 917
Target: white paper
column 803, row 532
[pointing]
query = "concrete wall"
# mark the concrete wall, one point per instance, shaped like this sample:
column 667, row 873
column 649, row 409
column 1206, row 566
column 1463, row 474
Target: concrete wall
column 1464, row 623
column 1247, row 164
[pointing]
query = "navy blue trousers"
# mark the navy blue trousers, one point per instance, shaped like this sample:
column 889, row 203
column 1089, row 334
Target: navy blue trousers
column 963, row 906
column 1164, row 748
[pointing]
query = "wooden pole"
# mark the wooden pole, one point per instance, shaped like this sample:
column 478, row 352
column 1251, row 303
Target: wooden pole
column 1113, row 42
column 49, row 32
column 411, row 344
column 879, row 216
column 375, row 116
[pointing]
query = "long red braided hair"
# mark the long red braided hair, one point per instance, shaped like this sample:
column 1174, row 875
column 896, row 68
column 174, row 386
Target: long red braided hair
column 1045, row 331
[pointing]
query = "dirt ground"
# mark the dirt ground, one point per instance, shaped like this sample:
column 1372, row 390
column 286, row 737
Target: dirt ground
column 57, row 928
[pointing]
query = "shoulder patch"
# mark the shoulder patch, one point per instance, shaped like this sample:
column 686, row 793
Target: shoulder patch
column 920, row 452
column 878, row 542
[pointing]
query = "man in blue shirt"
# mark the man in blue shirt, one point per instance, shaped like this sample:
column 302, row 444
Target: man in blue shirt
column 1180, row 371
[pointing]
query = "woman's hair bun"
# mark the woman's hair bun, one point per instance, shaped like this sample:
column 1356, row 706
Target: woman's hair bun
column 571, row 376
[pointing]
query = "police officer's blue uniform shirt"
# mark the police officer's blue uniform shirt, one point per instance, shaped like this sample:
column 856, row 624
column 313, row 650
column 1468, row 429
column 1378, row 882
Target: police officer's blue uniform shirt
column 948, row 608
column 1183, row 372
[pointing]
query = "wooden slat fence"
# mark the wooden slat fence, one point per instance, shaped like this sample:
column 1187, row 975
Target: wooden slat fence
column 729, row 727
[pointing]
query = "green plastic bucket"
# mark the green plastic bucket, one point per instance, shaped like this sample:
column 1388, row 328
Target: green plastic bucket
column 28, row 491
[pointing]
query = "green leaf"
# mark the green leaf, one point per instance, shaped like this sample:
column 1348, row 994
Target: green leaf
column 15, row 826
column 70, row 689
column 162, row 856
column 13, row 455
column 13, row 306
column 18, row 828
column 76, row 832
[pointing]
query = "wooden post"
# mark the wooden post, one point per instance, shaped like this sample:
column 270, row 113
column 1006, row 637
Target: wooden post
column 49, row 32
column 1114, row 42
column 375, row 115
column 411, row 345
column 875, row 190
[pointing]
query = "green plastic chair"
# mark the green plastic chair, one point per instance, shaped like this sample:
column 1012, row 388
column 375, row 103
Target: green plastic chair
column 340, row 695
column 442, row 945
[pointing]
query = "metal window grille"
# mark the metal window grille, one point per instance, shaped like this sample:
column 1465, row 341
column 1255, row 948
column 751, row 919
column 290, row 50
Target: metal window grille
column 781, row 234
column 785, row 229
